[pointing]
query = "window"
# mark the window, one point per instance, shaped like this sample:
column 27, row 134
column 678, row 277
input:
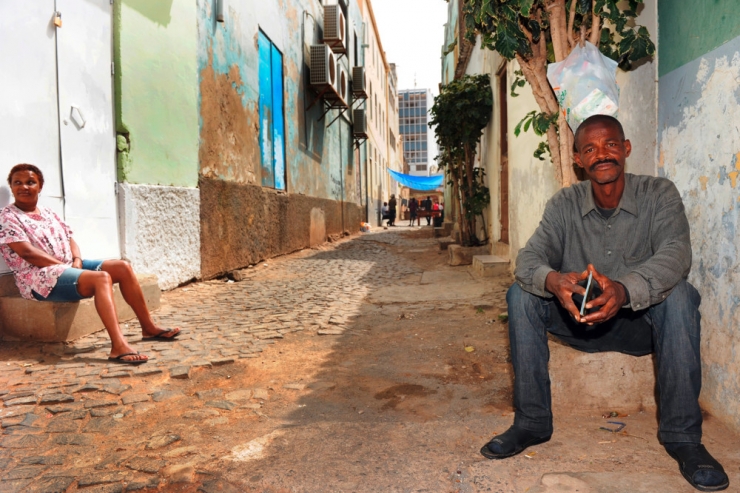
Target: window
column 272, row 112
column 421, row 167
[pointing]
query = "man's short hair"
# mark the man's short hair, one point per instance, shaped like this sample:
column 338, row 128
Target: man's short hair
column 596, row 119
column 26, row 167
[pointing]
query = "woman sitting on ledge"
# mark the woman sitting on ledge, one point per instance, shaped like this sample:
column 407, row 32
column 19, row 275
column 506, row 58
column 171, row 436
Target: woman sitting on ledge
column 47, row 265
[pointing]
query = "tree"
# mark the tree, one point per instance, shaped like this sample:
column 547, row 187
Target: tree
column 460, row 113
column 538, row 32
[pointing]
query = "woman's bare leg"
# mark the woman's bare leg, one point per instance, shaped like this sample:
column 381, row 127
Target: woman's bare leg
column 100, row 285
column 121, row 272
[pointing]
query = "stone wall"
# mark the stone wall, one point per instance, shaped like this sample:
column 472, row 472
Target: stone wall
column 242, row 224
column 700, row 151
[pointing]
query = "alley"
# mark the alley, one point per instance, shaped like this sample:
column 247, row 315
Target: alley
column 366, row 365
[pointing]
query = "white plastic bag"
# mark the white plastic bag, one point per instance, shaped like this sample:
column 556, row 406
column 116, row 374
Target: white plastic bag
column 585, row 84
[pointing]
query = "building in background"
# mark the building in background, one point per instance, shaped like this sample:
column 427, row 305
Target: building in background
column 418, row 139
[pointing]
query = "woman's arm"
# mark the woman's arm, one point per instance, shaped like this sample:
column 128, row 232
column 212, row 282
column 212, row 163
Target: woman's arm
column 33, row 255
column 76, row 255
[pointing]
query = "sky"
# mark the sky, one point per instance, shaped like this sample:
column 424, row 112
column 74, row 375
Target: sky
column 412, row 34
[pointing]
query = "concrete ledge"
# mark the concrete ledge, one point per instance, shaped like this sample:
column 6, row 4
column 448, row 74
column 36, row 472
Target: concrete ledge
column 460, row 255
column 444, row 243
column 60, row 322
column 490, row 266
column 600, row 381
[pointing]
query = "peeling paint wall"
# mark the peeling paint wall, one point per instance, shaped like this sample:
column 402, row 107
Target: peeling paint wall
column 156, row 92
column 700, row 151
column 320, row 162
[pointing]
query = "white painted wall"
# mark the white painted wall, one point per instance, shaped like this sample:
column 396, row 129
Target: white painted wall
column 160, row 231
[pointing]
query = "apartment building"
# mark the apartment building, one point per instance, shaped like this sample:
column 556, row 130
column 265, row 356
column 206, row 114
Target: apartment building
column 418, row 138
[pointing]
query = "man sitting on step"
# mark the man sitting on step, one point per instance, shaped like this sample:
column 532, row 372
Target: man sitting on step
column 631, row 233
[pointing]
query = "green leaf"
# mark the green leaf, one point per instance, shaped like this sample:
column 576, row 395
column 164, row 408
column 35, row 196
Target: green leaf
column 642, row 46
column 525, row 7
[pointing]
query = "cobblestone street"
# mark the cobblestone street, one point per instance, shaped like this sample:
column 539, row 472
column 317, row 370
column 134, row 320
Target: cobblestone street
column 366, row 365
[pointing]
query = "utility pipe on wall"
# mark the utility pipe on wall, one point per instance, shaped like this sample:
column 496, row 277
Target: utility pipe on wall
column 220, row 10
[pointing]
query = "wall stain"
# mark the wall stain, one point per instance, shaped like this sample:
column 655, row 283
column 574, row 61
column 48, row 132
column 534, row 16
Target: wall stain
column 229, row 133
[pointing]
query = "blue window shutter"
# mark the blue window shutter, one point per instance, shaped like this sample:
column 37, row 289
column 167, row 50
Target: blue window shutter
column 266, row 111
column 278, row 120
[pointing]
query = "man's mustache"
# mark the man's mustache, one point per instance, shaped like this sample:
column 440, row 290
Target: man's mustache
column 603, row 161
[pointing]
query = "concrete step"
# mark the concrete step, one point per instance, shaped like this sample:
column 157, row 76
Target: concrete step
column 490, row 265
column 22, row 319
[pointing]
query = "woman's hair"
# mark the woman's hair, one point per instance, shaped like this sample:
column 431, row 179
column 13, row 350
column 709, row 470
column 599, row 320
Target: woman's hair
column 26, row 167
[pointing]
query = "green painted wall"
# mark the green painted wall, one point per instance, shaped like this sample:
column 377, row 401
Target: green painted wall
column 689, row 28
column 156, row 89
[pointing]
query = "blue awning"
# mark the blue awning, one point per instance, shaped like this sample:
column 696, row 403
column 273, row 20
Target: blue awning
column 418, row 182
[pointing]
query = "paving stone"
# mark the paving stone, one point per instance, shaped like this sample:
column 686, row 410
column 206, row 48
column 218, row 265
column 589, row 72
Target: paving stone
column 116, row 459
column 143, row 407
column 166, row 395
column 201, row 364
column 47, row 460
column 260, row 394
column 116, row 374
column 74, row 439
column 239, row 395
column 218, row 486
column 101, row 478
column 161, row 441
column 137, row 485
column 182, row 451
column 106, row 411
column 88, row 387
column 145, row 372
column 99, row 403
column 222, row 361
column 227, row 405
column 209, row 394
column 63, row 425
column 15, row 485
column 180, row 372
column 21, row 401
column 53, row 484
column 105, row 488
column 144, row 464
column 16, row 395
column 294, row 386
column 133, row 398
column 200, row 414
column 116, row 389
column 25, row 472
column 5, row 463
column 99, row 425
column 56, row 399
column 26, row 441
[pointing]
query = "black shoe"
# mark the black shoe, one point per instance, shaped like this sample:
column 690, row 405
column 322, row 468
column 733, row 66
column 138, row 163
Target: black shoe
column 511, row 442
column 698, row 466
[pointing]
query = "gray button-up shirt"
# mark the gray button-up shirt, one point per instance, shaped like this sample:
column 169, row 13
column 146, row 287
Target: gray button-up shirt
column 645, row 244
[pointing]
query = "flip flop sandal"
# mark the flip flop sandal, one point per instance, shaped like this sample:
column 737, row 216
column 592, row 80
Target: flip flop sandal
column 119, row 359
column 694, row 462
column 161, row 337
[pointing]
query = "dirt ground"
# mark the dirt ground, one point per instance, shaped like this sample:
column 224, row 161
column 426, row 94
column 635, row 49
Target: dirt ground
column 401, row 401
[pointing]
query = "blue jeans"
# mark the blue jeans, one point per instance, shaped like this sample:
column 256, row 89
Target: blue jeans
column 65, row 289
column 672, row 329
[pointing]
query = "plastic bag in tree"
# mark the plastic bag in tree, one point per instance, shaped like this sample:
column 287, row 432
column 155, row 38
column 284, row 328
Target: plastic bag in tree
column 585, row 84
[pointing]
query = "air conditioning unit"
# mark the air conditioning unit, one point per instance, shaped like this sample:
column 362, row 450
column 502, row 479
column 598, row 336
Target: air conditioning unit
column 335, row 30
column 323, row 67
column 359, row 82
column 359, row 120
column 343, row 85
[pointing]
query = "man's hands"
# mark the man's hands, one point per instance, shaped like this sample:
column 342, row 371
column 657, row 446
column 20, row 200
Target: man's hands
column 612, row 298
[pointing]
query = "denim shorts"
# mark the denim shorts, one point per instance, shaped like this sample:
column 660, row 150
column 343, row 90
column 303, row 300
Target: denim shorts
column 66, row 286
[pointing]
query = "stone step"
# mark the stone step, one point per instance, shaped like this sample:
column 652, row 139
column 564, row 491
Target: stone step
column 490, row 266
column 460, row 255
column 22, row 319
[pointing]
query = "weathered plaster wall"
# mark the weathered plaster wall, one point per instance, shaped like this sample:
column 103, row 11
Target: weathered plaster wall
column 243, row 224
column 700, row 151
column 318, row 158
column 638, row 102
column 156, row 91
column 161, row 231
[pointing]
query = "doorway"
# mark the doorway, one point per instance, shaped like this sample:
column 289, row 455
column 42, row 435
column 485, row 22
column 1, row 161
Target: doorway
column 57, row 107
column 504, row 158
